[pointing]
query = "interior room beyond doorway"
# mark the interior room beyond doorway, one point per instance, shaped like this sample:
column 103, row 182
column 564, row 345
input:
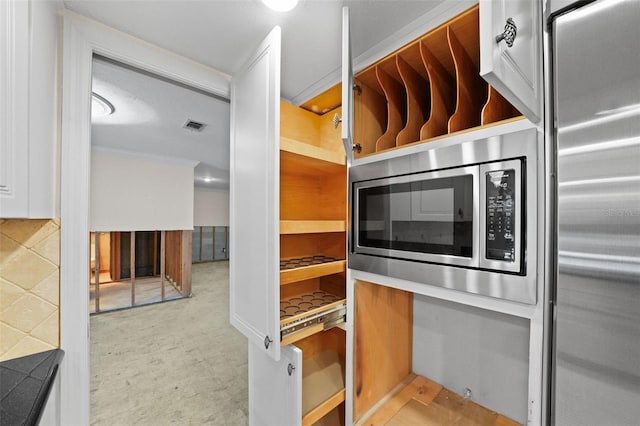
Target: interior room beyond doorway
column 130, row 269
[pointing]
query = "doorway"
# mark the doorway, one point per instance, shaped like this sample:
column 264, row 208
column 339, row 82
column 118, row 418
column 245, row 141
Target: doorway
column 81, row 39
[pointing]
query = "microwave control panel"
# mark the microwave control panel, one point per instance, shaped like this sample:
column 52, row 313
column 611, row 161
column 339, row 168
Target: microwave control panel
column 501, row 210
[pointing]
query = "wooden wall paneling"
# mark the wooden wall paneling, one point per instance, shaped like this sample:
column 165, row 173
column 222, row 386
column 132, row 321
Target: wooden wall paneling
column 163, row 254
column 383, row 315
column 416, row 82
column 471, row 89
column 497, row 108
column 369, row 112
column 177, row 257
column 105, row 251
column 396, row 95
column 96, row 270
column 171, row 269
column 185, row 261
column 155, row 253
column 441, row 71
column 132, row 266
column 115, row 255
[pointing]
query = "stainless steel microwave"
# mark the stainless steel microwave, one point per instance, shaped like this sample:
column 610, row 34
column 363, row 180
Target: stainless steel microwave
column 455, row 213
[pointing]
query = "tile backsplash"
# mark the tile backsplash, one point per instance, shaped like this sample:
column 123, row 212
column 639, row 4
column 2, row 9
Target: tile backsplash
column 29, row 286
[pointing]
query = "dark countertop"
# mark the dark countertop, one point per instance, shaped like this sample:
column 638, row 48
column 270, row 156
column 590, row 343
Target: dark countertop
column 25, row 383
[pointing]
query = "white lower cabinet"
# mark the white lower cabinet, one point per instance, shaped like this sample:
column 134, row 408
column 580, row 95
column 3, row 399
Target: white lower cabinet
column 305, row 387
column 275, row 387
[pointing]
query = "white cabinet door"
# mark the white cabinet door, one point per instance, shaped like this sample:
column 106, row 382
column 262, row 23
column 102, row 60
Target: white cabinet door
column 14, row 109
column 516, row 71
column 254, row 273
column 275, row 388
column 347, row 87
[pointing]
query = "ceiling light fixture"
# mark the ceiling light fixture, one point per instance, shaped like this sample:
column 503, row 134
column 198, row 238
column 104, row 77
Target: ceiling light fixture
column 280, row 5
column 100, row 107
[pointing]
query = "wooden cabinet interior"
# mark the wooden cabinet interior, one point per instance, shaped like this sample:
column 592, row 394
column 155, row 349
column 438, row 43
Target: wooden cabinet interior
column 429, row 88
column 386, row 390
column 313, row 184
column 385, row 316
column 323, row 374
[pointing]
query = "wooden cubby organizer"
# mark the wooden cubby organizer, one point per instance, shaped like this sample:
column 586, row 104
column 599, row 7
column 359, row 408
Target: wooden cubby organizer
column 427, row 89
column 313, row 257
column 386, row 390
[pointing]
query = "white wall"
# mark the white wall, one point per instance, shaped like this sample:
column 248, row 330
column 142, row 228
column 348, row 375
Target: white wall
column 133, row 193
column 462, row 347
column 211, row 207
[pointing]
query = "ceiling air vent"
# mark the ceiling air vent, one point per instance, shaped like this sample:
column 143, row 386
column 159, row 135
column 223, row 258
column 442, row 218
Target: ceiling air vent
column 194, row 125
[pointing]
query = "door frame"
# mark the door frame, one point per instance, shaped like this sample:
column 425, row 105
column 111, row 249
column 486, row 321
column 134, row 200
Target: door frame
column 81, row 38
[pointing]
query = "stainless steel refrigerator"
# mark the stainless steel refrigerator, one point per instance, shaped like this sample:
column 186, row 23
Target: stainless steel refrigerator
column 596, row 101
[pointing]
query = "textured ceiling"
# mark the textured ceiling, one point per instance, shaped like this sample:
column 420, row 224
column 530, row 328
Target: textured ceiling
column 222, row 34
column 149, row 117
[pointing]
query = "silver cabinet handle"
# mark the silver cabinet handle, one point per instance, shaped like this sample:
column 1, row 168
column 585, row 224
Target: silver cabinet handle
column 290, row 368
column 267, row 342
column 509, row 34
column 336, row 120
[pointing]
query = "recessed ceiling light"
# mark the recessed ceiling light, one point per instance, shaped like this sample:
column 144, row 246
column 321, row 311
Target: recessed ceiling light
column 100, row 106
column 280, row 5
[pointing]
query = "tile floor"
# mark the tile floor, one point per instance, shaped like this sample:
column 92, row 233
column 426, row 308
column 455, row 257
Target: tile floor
column 178, row 362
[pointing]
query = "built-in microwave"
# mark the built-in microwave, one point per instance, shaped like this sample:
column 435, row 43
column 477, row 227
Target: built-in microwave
column 435, row 216
column 458, row 214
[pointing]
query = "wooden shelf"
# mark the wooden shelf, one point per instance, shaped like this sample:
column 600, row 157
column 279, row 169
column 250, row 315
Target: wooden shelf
column 324, row 408
column 422, row 401
column 288, row 276
column 312, row 152
column 288, row 227
column 323, row 386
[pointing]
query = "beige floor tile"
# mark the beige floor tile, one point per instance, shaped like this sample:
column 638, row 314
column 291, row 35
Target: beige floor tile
column 176, row 363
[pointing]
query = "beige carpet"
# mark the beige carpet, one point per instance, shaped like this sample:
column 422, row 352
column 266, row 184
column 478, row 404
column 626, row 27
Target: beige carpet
column 178, row 362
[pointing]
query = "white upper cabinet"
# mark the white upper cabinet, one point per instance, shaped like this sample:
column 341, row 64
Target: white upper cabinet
column 510, row 52
column 14, row 109
column 254, row 200
column 347, row 87
column 28, row 102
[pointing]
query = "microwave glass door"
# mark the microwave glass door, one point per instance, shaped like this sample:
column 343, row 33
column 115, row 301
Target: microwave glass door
column 427, row 213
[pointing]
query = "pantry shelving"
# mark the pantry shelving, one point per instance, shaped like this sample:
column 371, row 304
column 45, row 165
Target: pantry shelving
column 428, row 89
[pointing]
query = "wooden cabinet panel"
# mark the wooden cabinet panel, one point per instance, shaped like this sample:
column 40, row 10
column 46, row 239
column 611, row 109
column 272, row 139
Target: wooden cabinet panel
column 430, row 88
